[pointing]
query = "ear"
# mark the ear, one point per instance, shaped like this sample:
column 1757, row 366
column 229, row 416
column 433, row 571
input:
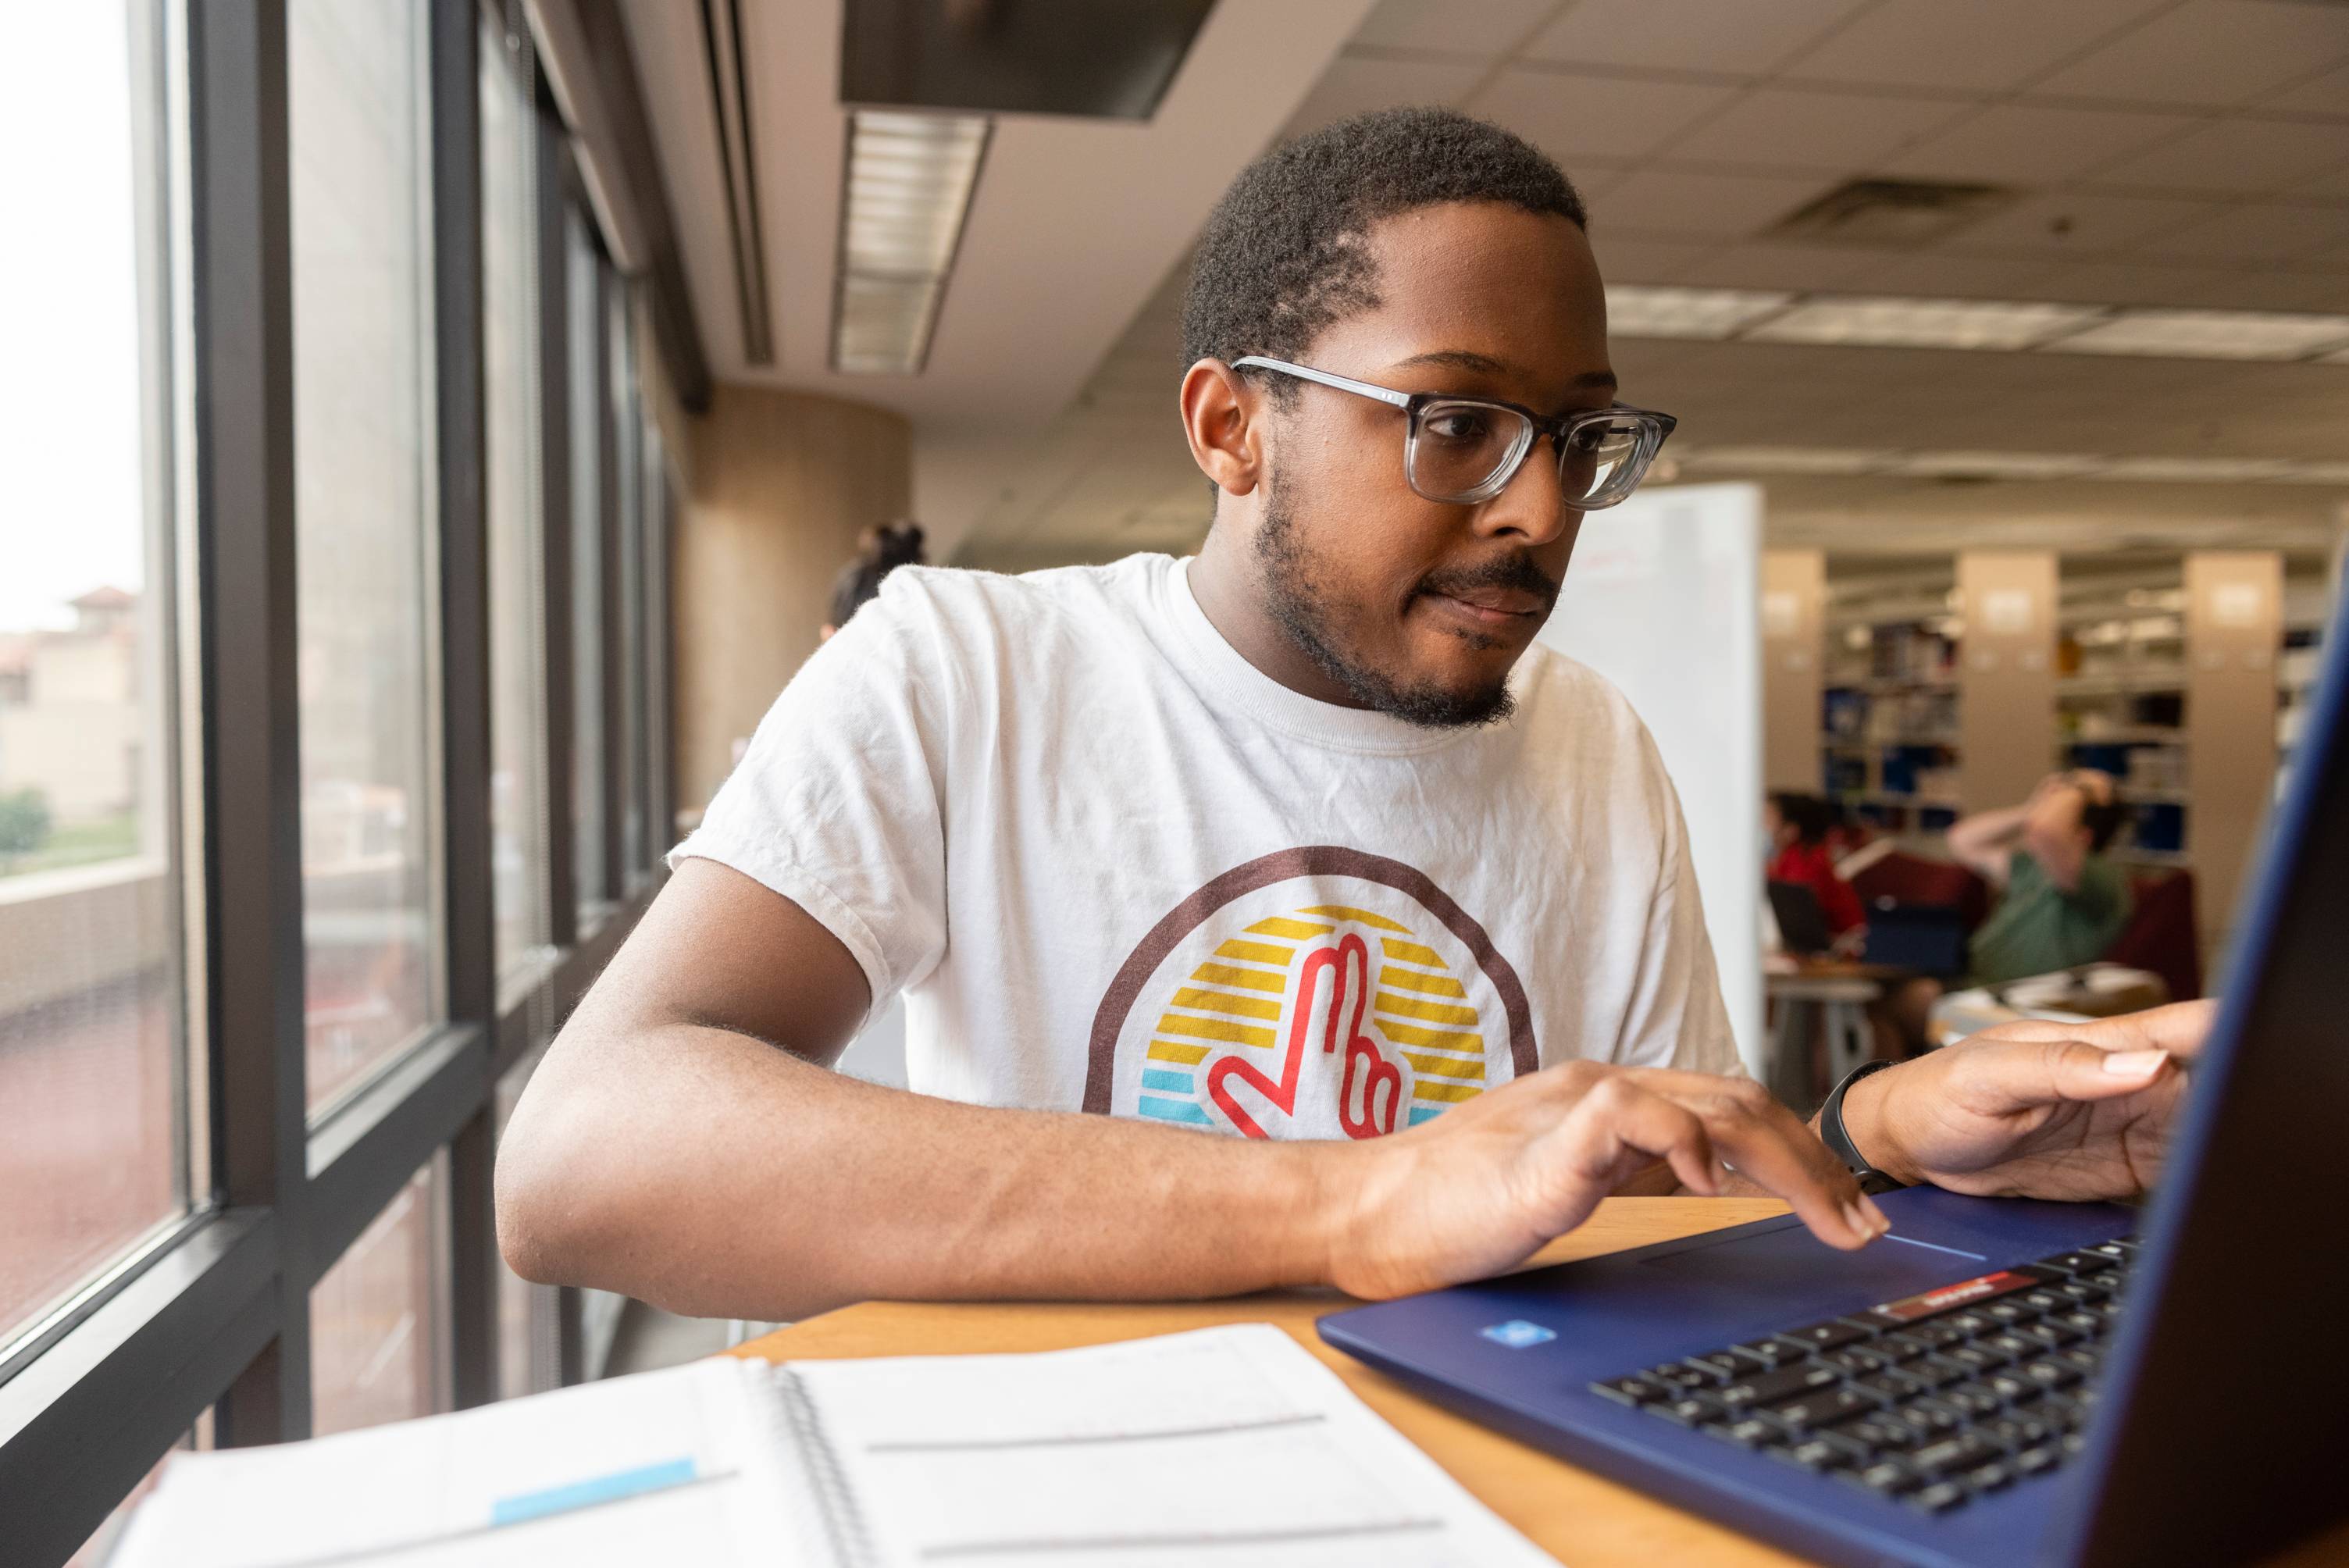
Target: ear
column 1221, row 420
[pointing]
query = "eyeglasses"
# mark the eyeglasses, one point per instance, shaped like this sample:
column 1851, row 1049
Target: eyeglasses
column 1463, row 450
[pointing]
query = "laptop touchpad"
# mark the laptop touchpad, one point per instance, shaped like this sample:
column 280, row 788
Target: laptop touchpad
column 1794, row 1271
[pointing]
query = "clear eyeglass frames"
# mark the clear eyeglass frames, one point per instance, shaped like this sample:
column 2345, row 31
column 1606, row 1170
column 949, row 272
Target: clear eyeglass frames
column 1464, row 451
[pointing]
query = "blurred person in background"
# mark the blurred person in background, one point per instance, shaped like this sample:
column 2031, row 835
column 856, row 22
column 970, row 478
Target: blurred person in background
column 1797, row 826
column 880, row 549
column 2062, row 899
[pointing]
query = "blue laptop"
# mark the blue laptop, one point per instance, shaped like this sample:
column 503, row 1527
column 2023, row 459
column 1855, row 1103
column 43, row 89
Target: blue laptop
column 1999, row 1381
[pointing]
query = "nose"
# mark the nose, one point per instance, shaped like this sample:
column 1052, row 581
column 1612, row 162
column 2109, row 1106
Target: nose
column 1532, row 506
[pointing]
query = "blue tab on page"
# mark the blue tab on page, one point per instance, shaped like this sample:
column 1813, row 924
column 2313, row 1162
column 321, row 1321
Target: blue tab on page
column 586, row 1493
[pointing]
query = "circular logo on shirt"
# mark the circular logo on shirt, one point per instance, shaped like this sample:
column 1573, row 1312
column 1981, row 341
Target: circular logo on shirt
column 1318, row 992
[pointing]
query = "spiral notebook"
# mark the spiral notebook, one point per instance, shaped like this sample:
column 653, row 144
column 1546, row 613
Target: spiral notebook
column 1231, row 1446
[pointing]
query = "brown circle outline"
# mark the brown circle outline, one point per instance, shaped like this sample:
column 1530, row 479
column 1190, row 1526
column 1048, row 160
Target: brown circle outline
column 1312, row 860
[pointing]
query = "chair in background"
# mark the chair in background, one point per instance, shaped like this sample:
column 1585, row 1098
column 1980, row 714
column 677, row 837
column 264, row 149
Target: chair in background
column 2162, row 937
column 1908, row 879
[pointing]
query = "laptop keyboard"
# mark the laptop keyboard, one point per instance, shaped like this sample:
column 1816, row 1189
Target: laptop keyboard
column 1930, row 1399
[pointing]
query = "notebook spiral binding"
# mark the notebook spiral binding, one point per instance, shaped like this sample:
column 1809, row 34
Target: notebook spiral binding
column 844, row 1518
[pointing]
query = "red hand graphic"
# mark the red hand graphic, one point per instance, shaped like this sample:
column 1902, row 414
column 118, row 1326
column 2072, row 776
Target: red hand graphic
column 1346, row 968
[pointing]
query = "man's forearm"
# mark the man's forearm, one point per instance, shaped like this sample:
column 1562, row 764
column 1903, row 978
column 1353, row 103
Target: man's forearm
column 737, row 1181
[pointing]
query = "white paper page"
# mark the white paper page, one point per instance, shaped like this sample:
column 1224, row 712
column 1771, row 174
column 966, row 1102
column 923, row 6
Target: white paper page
column 685, row 1456
column 1230, row 1445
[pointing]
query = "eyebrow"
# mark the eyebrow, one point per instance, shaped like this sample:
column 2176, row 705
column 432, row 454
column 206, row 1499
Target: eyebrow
column 1469, row 359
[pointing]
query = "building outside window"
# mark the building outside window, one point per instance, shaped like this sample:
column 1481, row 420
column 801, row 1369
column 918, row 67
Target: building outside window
column 363, row 364
column 102, row 1151
column 510, row 347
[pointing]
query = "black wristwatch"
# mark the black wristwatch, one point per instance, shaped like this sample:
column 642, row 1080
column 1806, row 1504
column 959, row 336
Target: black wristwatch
column 1838, row 1141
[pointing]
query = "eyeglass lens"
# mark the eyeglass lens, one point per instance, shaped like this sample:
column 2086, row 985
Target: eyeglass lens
column 1466, row 451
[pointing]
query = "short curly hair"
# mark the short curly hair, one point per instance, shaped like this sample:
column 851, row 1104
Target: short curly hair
column 1282, row 255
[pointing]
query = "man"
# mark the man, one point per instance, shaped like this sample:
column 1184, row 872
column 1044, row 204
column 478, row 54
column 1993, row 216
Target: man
column 1300, row 842
column 2063, row 902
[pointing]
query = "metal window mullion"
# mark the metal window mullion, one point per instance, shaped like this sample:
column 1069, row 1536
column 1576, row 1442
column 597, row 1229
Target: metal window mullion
column 250, row 700
column 468, row 899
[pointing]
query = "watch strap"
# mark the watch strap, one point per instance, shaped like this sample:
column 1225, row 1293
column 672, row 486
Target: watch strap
column 1833, row 1133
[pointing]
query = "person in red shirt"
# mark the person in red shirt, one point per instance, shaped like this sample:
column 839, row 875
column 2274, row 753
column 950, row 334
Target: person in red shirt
column 1798, row 827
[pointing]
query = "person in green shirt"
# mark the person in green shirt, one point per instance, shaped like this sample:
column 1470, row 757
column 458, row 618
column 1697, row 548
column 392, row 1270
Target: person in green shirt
column 2062, row 900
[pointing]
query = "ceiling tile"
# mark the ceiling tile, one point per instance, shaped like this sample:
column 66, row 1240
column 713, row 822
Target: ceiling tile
column 1354, row 83
column 2130, row 283
column 1570, row 116
column 1846, row 133
column 1990, row 46
column 2266, row 288
column 1929, row 274
column 1488, row 27
column 2034, row 145
column 2325, row 93
column 2080, row 225
column 2210, row 52
column 1631, row 261
column 1660, row 201
column 1735, row 36
column 2263, row 232
column 2245, row 156
column 1801, row 268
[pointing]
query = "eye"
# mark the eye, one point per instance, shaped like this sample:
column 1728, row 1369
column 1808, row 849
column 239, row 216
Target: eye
column 1457, row 424
column 1586, row 440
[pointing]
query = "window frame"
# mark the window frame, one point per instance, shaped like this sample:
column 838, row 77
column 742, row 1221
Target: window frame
column 217, row 1316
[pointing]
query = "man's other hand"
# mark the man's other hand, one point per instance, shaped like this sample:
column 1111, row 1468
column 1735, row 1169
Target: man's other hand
column 1484, row 1186
column 2031, row 1109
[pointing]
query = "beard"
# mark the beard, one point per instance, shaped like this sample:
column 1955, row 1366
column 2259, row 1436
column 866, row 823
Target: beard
column 1299, row 606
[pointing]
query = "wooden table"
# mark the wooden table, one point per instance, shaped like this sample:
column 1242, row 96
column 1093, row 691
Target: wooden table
column 1580, row 1519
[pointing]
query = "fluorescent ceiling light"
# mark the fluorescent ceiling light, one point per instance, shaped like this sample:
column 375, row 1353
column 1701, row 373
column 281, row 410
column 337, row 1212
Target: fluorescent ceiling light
column 2192, row 471
column 1833, row 460
column 1636, row 311
column 1993, row 465
column 1873, row 323
column 903, row 205
column 2211, row 335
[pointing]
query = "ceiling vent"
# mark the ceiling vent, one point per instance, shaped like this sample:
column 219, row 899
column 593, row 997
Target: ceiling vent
column 1890, row 212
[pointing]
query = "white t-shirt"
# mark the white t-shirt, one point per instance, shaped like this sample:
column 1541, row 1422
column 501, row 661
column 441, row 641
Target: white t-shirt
column 1114, row 867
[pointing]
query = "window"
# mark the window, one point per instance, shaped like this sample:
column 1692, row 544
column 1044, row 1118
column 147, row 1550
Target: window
column 363, row 451
column 587, row 630
column 100, row 1545
column 378, row 1338
column 628, row 435
column 528, row 1354
column 510, row 340
column 98, row 1152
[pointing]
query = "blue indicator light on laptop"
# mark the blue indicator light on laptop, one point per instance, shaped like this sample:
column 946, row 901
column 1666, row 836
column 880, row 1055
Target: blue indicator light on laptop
column 1519, row 1335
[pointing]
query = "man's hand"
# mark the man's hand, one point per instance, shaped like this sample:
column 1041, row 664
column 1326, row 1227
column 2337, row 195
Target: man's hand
column 1484, row 1186
column 2068, row 1112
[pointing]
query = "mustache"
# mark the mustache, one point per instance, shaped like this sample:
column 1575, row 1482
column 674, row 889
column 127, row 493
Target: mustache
column 1516, row 572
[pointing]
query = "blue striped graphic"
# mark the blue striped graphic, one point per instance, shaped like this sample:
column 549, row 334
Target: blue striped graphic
column 1173, row 1083
column 1172, row 1111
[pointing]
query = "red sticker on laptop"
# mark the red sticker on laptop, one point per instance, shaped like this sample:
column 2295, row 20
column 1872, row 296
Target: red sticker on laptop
column 1949, row 1298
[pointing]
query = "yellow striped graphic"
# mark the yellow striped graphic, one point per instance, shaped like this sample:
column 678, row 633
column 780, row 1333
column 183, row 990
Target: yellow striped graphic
column 1253, row 979
column 1168, row 1051
column 1445, row 1066
column 1257, row 952
column 1426, row 1012
column 1215, row 1029
column 1224, row 1002
column 1411, row 952
column 1432, row 985
column 1359, row 916
column 1294, row 930
column 1423, row 1089
column 1438, row 1039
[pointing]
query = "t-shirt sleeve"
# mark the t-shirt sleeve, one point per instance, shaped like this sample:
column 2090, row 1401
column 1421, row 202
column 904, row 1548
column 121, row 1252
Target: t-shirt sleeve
column 1677, row 1017
column 838, row 803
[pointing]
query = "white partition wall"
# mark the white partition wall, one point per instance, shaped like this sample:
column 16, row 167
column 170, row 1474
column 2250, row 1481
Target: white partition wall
column 1661, row 601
